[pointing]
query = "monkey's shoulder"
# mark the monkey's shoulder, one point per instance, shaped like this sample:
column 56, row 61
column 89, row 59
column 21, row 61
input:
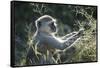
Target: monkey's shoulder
column 41, row 36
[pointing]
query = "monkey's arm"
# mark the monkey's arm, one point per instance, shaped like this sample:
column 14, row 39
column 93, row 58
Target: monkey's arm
column 56, row 43
column 73, row 38
column 68, row 35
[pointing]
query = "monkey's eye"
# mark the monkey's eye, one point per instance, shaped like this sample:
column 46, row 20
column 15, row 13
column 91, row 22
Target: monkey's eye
column 52, row 23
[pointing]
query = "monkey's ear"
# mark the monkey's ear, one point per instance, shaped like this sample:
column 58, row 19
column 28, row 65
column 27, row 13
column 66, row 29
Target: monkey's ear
column 39, row 24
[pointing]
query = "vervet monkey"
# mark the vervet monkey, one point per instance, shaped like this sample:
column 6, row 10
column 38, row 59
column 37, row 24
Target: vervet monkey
column 45, row 35
column 46, row 26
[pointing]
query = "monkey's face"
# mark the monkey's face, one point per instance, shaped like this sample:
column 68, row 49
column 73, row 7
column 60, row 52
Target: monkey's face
column 47, row 24
column 52, row 26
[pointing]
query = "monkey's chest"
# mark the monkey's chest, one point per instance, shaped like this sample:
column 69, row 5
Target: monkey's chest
column 44, row 47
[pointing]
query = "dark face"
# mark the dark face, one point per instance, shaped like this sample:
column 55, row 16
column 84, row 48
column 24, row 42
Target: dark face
column 52, row 26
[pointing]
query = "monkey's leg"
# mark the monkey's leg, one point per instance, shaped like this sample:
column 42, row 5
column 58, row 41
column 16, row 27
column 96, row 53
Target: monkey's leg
column 30, row 60
column 47, row 59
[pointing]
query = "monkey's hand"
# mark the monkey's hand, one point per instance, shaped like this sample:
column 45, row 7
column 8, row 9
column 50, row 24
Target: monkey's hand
column 80, row 33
